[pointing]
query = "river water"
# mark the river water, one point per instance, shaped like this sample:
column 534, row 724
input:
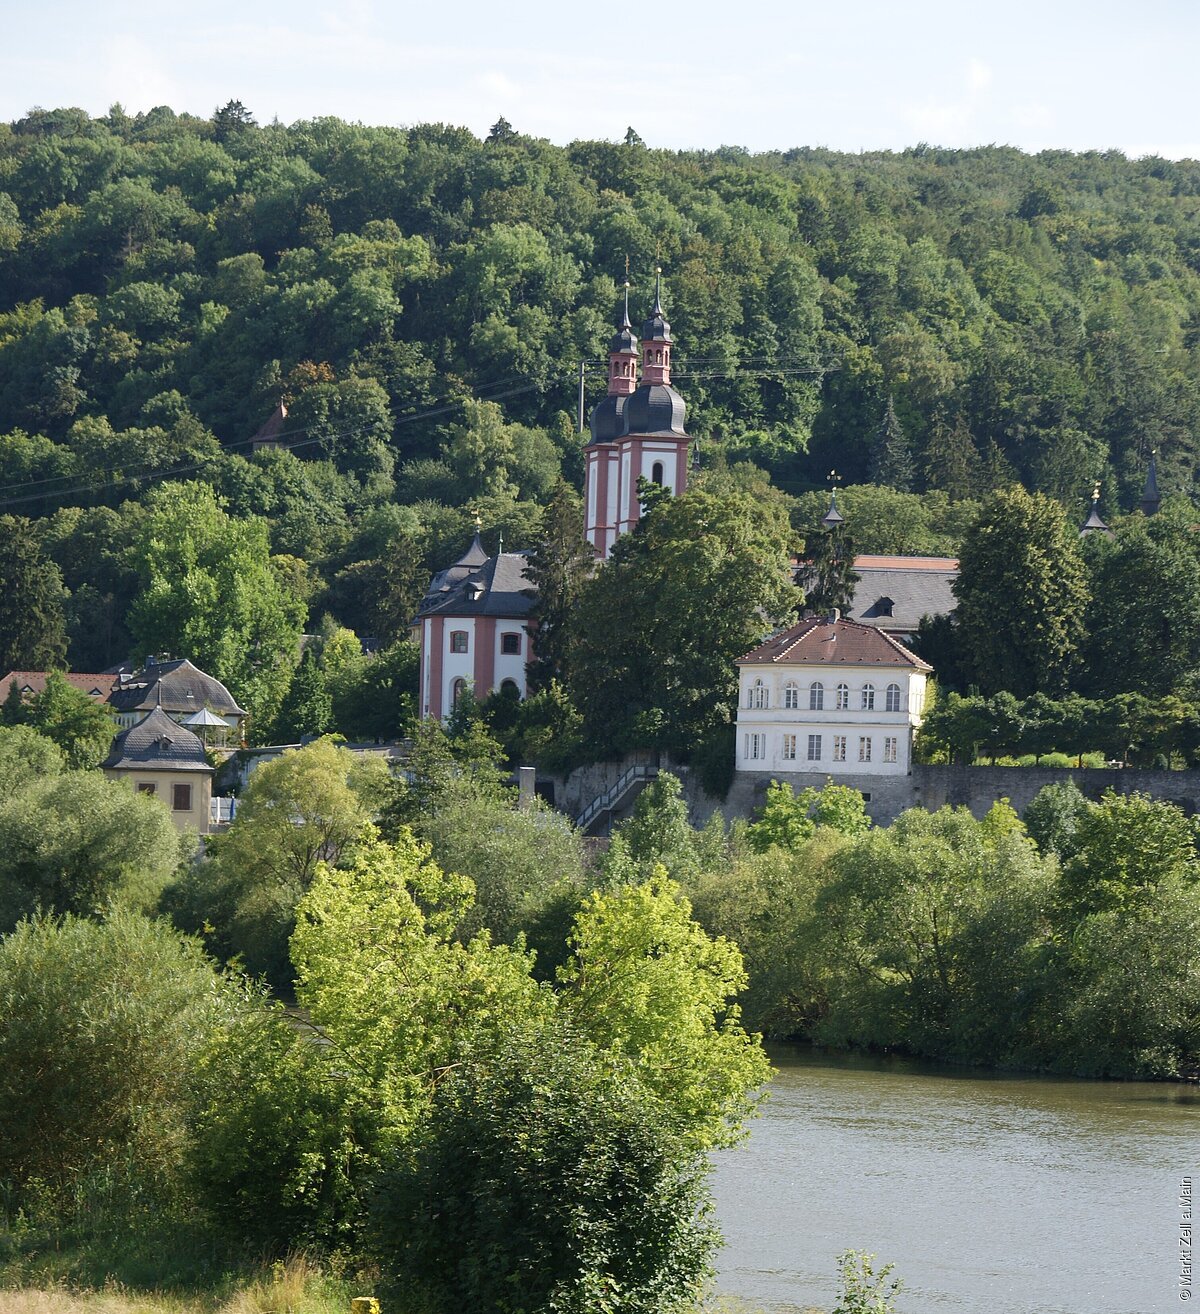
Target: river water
column 991, row 1194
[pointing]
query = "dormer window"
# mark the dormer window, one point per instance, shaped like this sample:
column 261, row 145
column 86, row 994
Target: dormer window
column 884, row 606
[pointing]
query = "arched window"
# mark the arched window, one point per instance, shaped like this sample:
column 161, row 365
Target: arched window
column 843, row 697
column 868, row 697
column 816, row 696
column 656, row 472
column 457, row 689
column 791, row 696
column 658, row 356
column 758, row 695
column 893, row 697
column 509, row 689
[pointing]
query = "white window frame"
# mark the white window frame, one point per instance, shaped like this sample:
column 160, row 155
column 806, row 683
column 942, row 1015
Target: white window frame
column 891, row 745
column 893, row 698
column 788, row 752
column 760, row 697
column 864, row 748
column 843, row 698
column 755, row 746
column 816, row 696
column 814, row 748
column 791, row 696
column 868, row 698
column 839, row 748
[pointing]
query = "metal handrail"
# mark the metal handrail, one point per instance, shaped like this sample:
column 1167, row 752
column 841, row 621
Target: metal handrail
column 612, row 796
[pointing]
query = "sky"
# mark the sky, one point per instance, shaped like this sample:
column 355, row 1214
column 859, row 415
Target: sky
column 847, row 74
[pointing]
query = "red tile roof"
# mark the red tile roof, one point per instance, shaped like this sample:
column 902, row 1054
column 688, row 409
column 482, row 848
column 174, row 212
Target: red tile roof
column 99, row 686
column 868, row 562
column 833, row 643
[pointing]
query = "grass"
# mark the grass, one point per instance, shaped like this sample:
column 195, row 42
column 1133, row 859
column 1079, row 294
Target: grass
column 293, row 1287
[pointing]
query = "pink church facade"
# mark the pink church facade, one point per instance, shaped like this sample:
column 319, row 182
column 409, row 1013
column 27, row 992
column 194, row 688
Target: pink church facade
column 474, row 626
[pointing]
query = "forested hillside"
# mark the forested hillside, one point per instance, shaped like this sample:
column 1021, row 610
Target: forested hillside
column 420, row 301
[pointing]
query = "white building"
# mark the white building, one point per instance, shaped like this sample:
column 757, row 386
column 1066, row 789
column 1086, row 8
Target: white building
column 829, row 697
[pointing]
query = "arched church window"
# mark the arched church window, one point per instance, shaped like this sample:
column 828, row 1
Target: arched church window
column 509, row 689
column 656, row 472
column 457, row 689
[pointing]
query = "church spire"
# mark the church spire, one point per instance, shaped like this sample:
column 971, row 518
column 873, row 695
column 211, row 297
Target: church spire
column 622, row 356
column 1151, row 500
column 833, row 517
column 1093, row 524
column 656, row 340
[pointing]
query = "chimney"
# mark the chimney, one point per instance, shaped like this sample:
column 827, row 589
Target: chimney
column 833, row 617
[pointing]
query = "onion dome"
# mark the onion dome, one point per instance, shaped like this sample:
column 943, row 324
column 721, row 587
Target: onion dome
column 624, row 340
column 656, row 409
column 608, row 418
column 656, row 328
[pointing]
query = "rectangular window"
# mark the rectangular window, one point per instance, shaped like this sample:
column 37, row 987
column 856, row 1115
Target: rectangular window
column 839, row 748
column 789, row 748
column 889, row 749
column 458, row 641
column 181, row 798
column 864, row 749
column 756, row 747
column 510, row 644
column 791, row 697
column 814, row 748
column 145, row 787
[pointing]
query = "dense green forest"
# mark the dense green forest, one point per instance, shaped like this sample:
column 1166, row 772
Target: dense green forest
column 420, row 300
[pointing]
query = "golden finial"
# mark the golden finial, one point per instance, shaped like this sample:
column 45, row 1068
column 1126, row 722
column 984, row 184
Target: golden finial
column 478, row 521
column 1096, row 492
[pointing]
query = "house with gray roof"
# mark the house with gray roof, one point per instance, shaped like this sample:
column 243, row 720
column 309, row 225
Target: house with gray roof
column 893, row 593
column 179, row 689
column 157, row 756
column 472, row 628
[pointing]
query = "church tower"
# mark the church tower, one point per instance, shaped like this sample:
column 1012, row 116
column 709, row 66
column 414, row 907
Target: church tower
column 637, row 429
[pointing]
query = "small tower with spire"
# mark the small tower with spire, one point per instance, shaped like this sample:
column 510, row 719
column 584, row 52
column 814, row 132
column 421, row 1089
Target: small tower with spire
column 1093, row 524
column 1150, row 499
column 636, row 429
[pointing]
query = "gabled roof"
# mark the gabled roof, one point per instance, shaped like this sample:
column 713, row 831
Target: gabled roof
column 156, row 744
column 33, row 682
column 497, row 587
column 914, row 586
column 832, row 642
column 177, row 687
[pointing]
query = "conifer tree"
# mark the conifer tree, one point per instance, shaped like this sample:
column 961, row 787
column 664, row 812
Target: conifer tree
column 826, row 572
column 307, row 707
column 951, row 459
column 558, row 566
column 893, row 463
column 32, row 631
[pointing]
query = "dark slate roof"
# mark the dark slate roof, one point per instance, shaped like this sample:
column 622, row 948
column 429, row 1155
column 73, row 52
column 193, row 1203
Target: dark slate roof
column 657, row 411
column 914, row 587
column 156, row 744
column 624, row 340
column 656, row 328
column 608, row 419
column 1094, row 525
column 833, row 516
column 177, row 687
column 498, row 587
column 832, row 642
